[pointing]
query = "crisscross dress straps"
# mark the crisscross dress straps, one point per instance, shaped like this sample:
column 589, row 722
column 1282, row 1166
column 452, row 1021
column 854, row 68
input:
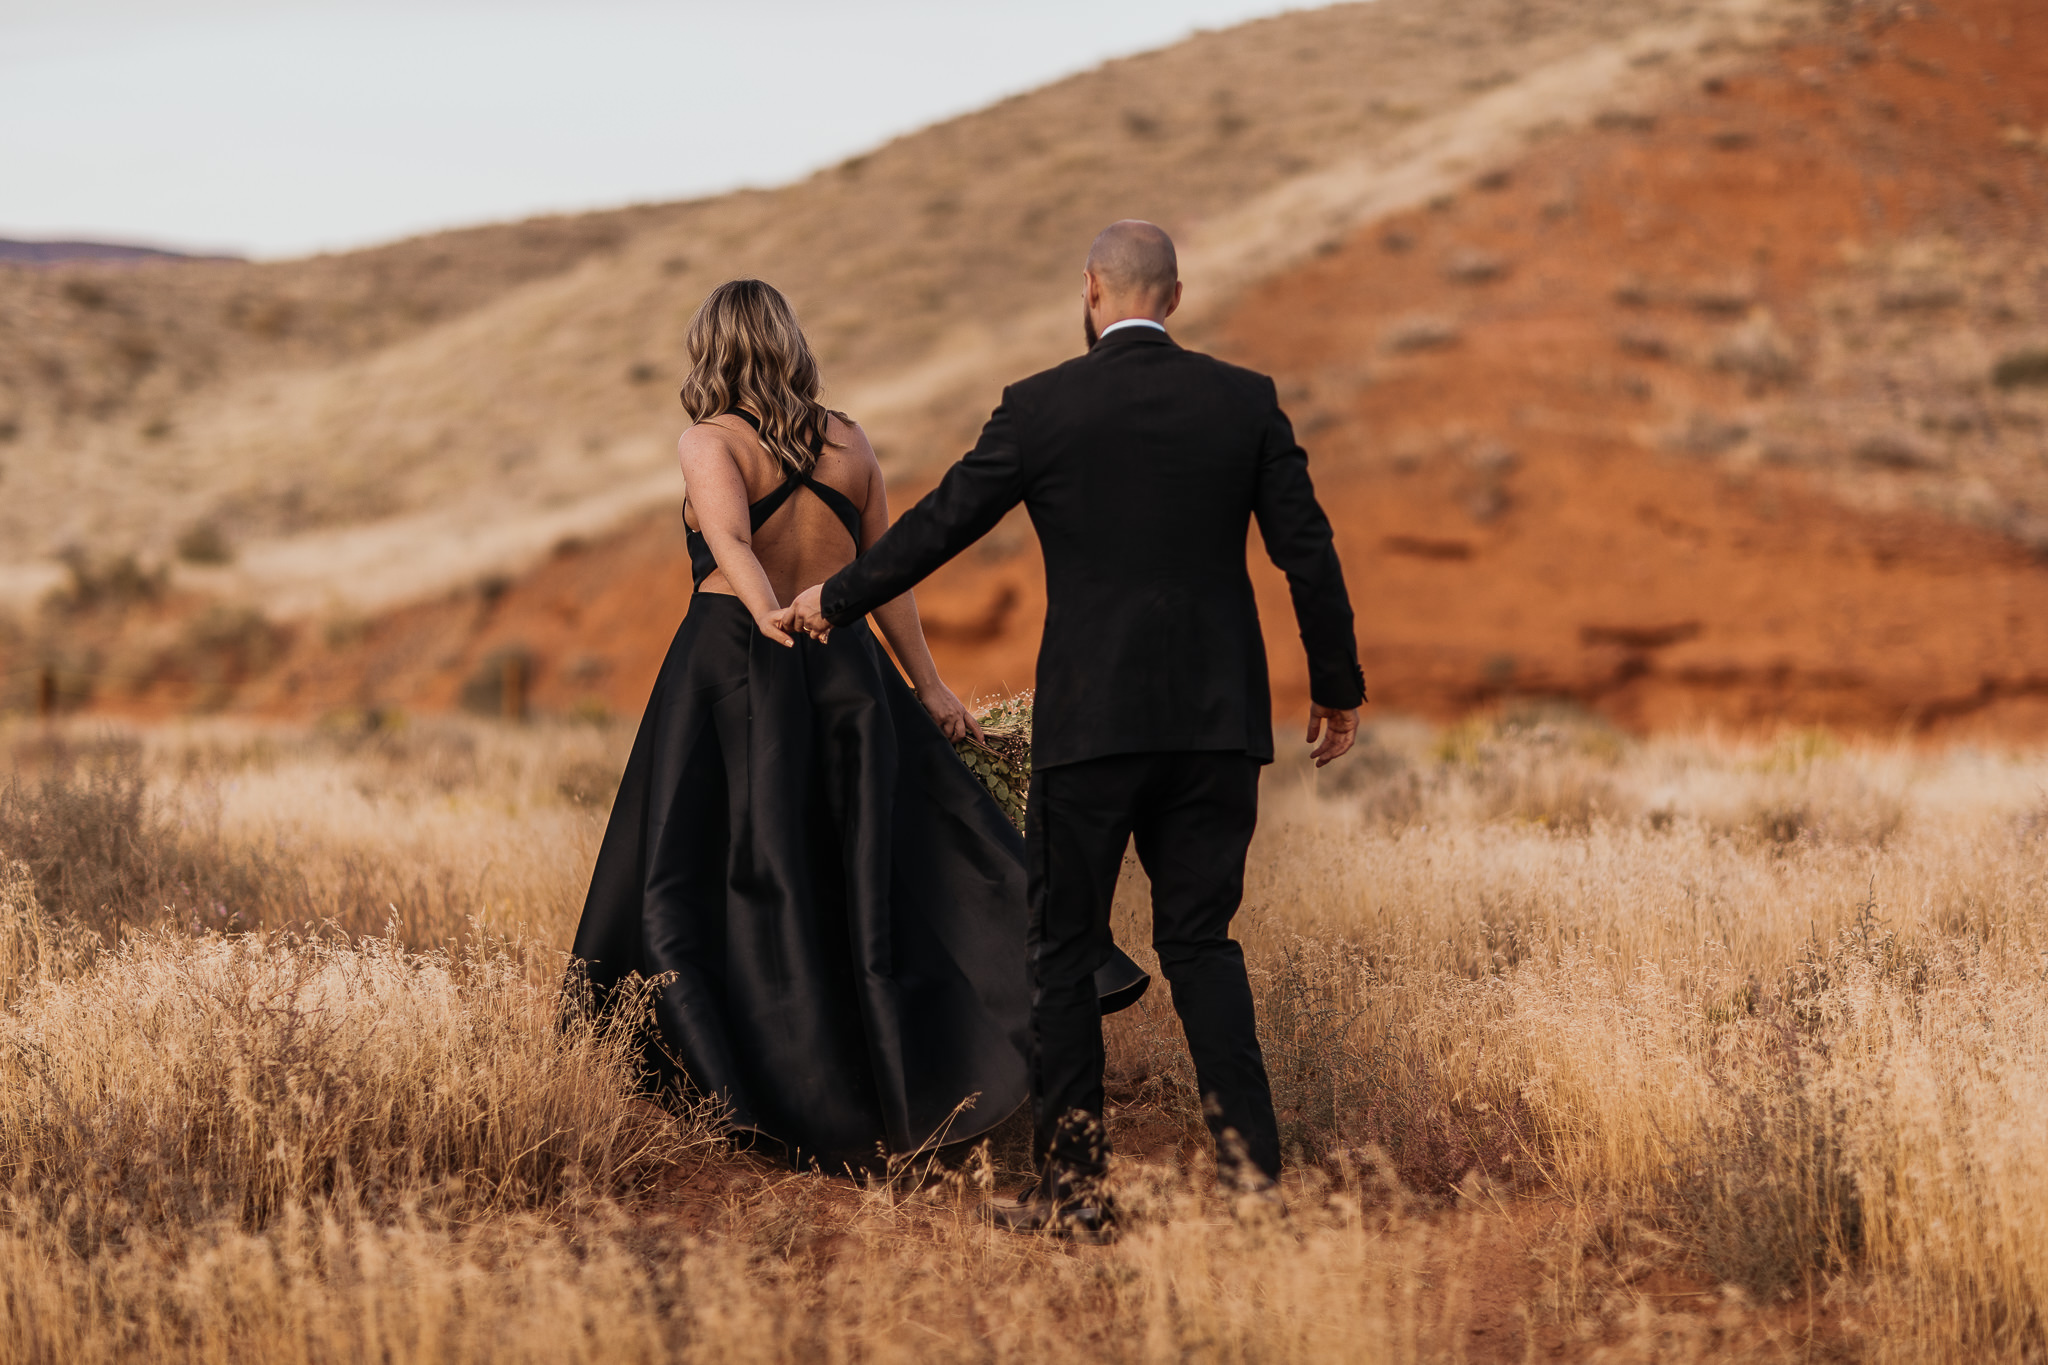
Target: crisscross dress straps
column 703, row 563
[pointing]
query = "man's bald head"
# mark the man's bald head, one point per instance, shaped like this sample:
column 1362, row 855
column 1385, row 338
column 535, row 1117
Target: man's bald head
column 1134, row 260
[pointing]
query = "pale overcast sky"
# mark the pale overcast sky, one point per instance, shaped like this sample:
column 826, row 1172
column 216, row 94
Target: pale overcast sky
column 298, row 125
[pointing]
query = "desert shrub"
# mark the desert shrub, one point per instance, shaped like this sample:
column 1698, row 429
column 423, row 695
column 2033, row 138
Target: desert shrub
column 1383, row 782
column 1469, row 265
column 217, row 650
column 114, row 583
column 239, row 1077
column 1633, row 291
column 1306, row 1025
column 1625, row 120
column 1805, row 794
column 1344, row 1094
column 1893, row 450
column 1421, row 1133
column 32, row 947
column 497, row 684
column 1781, row 822
column 69, row 669
column 1764, row 1192
column 1538, row 764
column 1727, row 297
column 1768, row 1189
column 1567, row 797
column 1646, row 343
column 203, row 542
column 1795, row 751
column 1706, row 433
column 87, row 294
column 1759, row 351
column 586, row 782
column 1421, row 333
column 107, row 858
column 1919, row 295
column 442, row 758
column 2027, row 367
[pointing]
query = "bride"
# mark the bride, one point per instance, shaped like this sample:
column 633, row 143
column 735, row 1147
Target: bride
column 834, row 903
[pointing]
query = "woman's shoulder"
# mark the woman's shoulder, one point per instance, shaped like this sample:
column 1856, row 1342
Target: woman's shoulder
column 848, row 462
column 723, row 428
column 844, row 438
column 726, row 434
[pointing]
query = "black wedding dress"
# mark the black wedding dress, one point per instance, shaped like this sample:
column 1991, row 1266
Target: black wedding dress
column 839, row 901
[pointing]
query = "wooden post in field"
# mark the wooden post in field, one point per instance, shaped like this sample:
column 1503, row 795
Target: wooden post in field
column 46, row 693
column 512, row 690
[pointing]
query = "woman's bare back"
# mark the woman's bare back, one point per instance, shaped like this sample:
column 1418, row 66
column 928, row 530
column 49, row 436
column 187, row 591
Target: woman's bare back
column 804, row 542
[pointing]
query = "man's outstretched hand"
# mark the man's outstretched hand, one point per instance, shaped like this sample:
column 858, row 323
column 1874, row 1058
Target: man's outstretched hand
column 805, row 614
column 1337, row 729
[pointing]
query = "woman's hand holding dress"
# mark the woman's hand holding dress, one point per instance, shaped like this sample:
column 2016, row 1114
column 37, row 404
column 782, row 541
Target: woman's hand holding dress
column 950, row 713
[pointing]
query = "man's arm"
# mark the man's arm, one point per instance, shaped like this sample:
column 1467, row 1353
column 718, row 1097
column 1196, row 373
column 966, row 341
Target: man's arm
column 1297, row 537
column 984, row 484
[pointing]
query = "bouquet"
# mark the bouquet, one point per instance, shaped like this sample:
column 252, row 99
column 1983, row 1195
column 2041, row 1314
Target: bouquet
column 1003, row 763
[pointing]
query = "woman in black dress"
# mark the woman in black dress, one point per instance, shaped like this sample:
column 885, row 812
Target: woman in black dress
column 836, row 903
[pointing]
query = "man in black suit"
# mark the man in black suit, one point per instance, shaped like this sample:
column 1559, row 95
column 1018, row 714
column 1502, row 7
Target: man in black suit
column 1141, row 465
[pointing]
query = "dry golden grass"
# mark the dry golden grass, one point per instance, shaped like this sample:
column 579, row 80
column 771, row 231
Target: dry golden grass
column 1584, row 1045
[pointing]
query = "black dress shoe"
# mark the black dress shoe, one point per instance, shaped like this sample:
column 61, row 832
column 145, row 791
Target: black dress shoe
column 1090, row 1223
column 1254, row 1196
column 1259, row 1205
column 1066, row 1202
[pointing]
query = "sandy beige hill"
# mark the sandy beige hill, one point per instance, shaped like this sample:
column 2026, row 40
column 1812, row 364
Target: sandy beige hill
column 366, row 428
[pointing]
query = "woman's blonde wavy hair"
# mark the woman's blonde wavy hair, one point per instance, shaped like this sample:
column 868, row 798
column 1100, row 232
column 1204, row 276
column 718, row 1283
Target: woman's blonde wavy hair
column 747, row 352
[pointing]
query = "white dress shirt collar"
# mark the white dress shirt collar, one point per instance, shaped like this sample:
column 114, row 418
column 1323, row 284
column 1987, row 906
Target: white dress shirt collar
column 1132, row 322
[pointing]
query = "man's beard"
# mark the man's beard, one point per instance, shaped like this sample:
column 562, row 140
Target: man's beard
column 1088, row 327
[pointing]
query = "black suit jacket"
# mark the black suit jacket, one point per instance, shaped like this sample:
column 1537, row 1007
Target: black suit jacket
column 1142, row 465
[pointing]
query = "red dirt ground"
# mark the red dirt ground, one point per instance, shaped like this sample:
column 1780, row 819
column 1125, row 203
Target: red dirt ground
column 1510, row 520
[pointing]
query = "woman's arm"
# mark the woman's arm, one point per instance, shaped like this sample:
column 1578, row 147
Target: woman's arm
column 898, row 619
column 718, row 495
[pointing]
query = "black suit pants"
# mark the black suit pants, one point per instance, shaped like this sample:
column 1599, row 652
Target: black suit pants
column 1192, row 814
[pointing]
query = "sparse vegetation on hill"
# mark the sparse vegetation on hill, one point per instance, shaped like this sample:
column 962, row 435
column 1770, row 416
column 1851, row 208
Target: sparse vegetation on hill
column 1737, row 351
column 1640, row 466
column 1739, row 434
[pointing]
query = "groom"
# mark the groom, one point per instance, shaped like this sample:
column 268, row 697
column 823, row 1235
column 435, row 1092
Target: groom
column 1141, row 465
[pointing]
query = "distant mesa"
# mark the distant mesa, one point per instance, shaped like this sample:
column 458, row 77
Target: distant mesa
column 63, row 253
